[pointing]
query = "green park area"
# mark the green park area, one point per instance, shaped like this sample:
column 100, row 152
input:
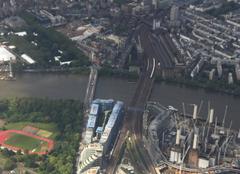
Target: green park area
column 44, row 45
column 59, row 119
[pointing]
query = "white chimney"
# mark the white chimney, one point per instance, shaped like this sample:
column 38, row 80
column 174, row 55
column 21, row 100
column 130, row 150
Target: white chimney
column 195, row 141
column 178, row 136
column 195, row 107
column 211, row 116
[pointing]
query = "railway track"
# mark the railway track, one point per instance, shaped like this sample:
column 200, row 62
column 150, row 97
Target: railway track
column 133, row 118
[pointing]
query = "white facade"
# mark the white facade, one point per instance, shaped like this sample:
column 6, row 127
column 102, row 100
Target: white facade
column 203, row 163
column 175, row 156
column 88, row 136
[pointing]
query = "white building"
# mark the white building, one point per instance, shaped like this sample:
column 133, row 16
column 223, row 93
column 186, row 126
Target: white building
column 6, row 55
column 86, row 31
column 28, row 59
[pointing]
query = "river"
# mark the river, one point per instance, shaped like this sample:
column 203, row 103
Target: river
column 72, row 86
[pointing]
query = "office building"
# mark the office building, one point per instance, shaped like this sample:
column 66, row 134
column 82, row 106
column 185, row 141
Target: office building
column 111, row 128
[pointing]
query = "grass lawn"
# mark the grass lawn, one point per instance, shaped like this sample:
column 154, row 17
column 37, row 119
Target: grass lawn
column 51, row 127
column 24, row 142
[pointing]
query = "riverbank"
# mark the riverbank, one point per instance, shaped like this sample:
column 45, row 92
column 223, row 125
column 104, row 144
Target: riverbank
column 218, row 86
column 210, row 86
column 77, row 70
column 104, row 72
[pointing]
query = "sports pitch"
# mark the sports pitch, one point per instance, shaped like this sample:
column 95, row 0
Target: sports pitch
column 24, row 142
column 20, row 140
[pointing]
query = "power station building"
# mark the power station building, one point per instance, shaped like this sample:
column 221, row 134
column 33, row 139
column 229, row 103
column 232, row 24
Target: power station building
column 191, row 143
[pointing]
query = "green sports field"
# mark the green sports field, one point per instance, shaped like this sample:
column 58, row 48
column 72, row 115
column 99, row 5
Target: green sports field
column 24, row 142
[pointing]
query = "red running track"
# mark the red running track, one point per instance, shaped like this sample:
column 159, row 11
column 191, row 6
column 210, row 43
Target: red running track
column 4, row 135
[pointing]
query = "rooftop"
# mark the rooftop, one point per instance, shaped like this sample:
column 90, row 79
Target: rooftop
column 94, row 109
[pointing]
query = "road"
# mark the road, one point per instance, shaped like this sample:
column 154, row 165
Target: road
column 133, row 119
column 91, row 87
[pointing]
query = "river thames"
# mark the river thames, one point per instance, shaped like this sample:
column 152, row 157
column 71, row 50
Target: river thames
column 71, row 86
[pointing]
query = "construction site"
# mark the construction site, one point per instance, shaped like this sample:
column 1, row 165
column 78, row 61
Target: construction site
column 190, row 143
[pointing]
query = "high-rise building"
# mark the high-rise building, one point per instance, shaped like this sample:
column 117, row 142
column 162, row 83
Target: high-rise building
column 174, row 15
column 104, row 119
